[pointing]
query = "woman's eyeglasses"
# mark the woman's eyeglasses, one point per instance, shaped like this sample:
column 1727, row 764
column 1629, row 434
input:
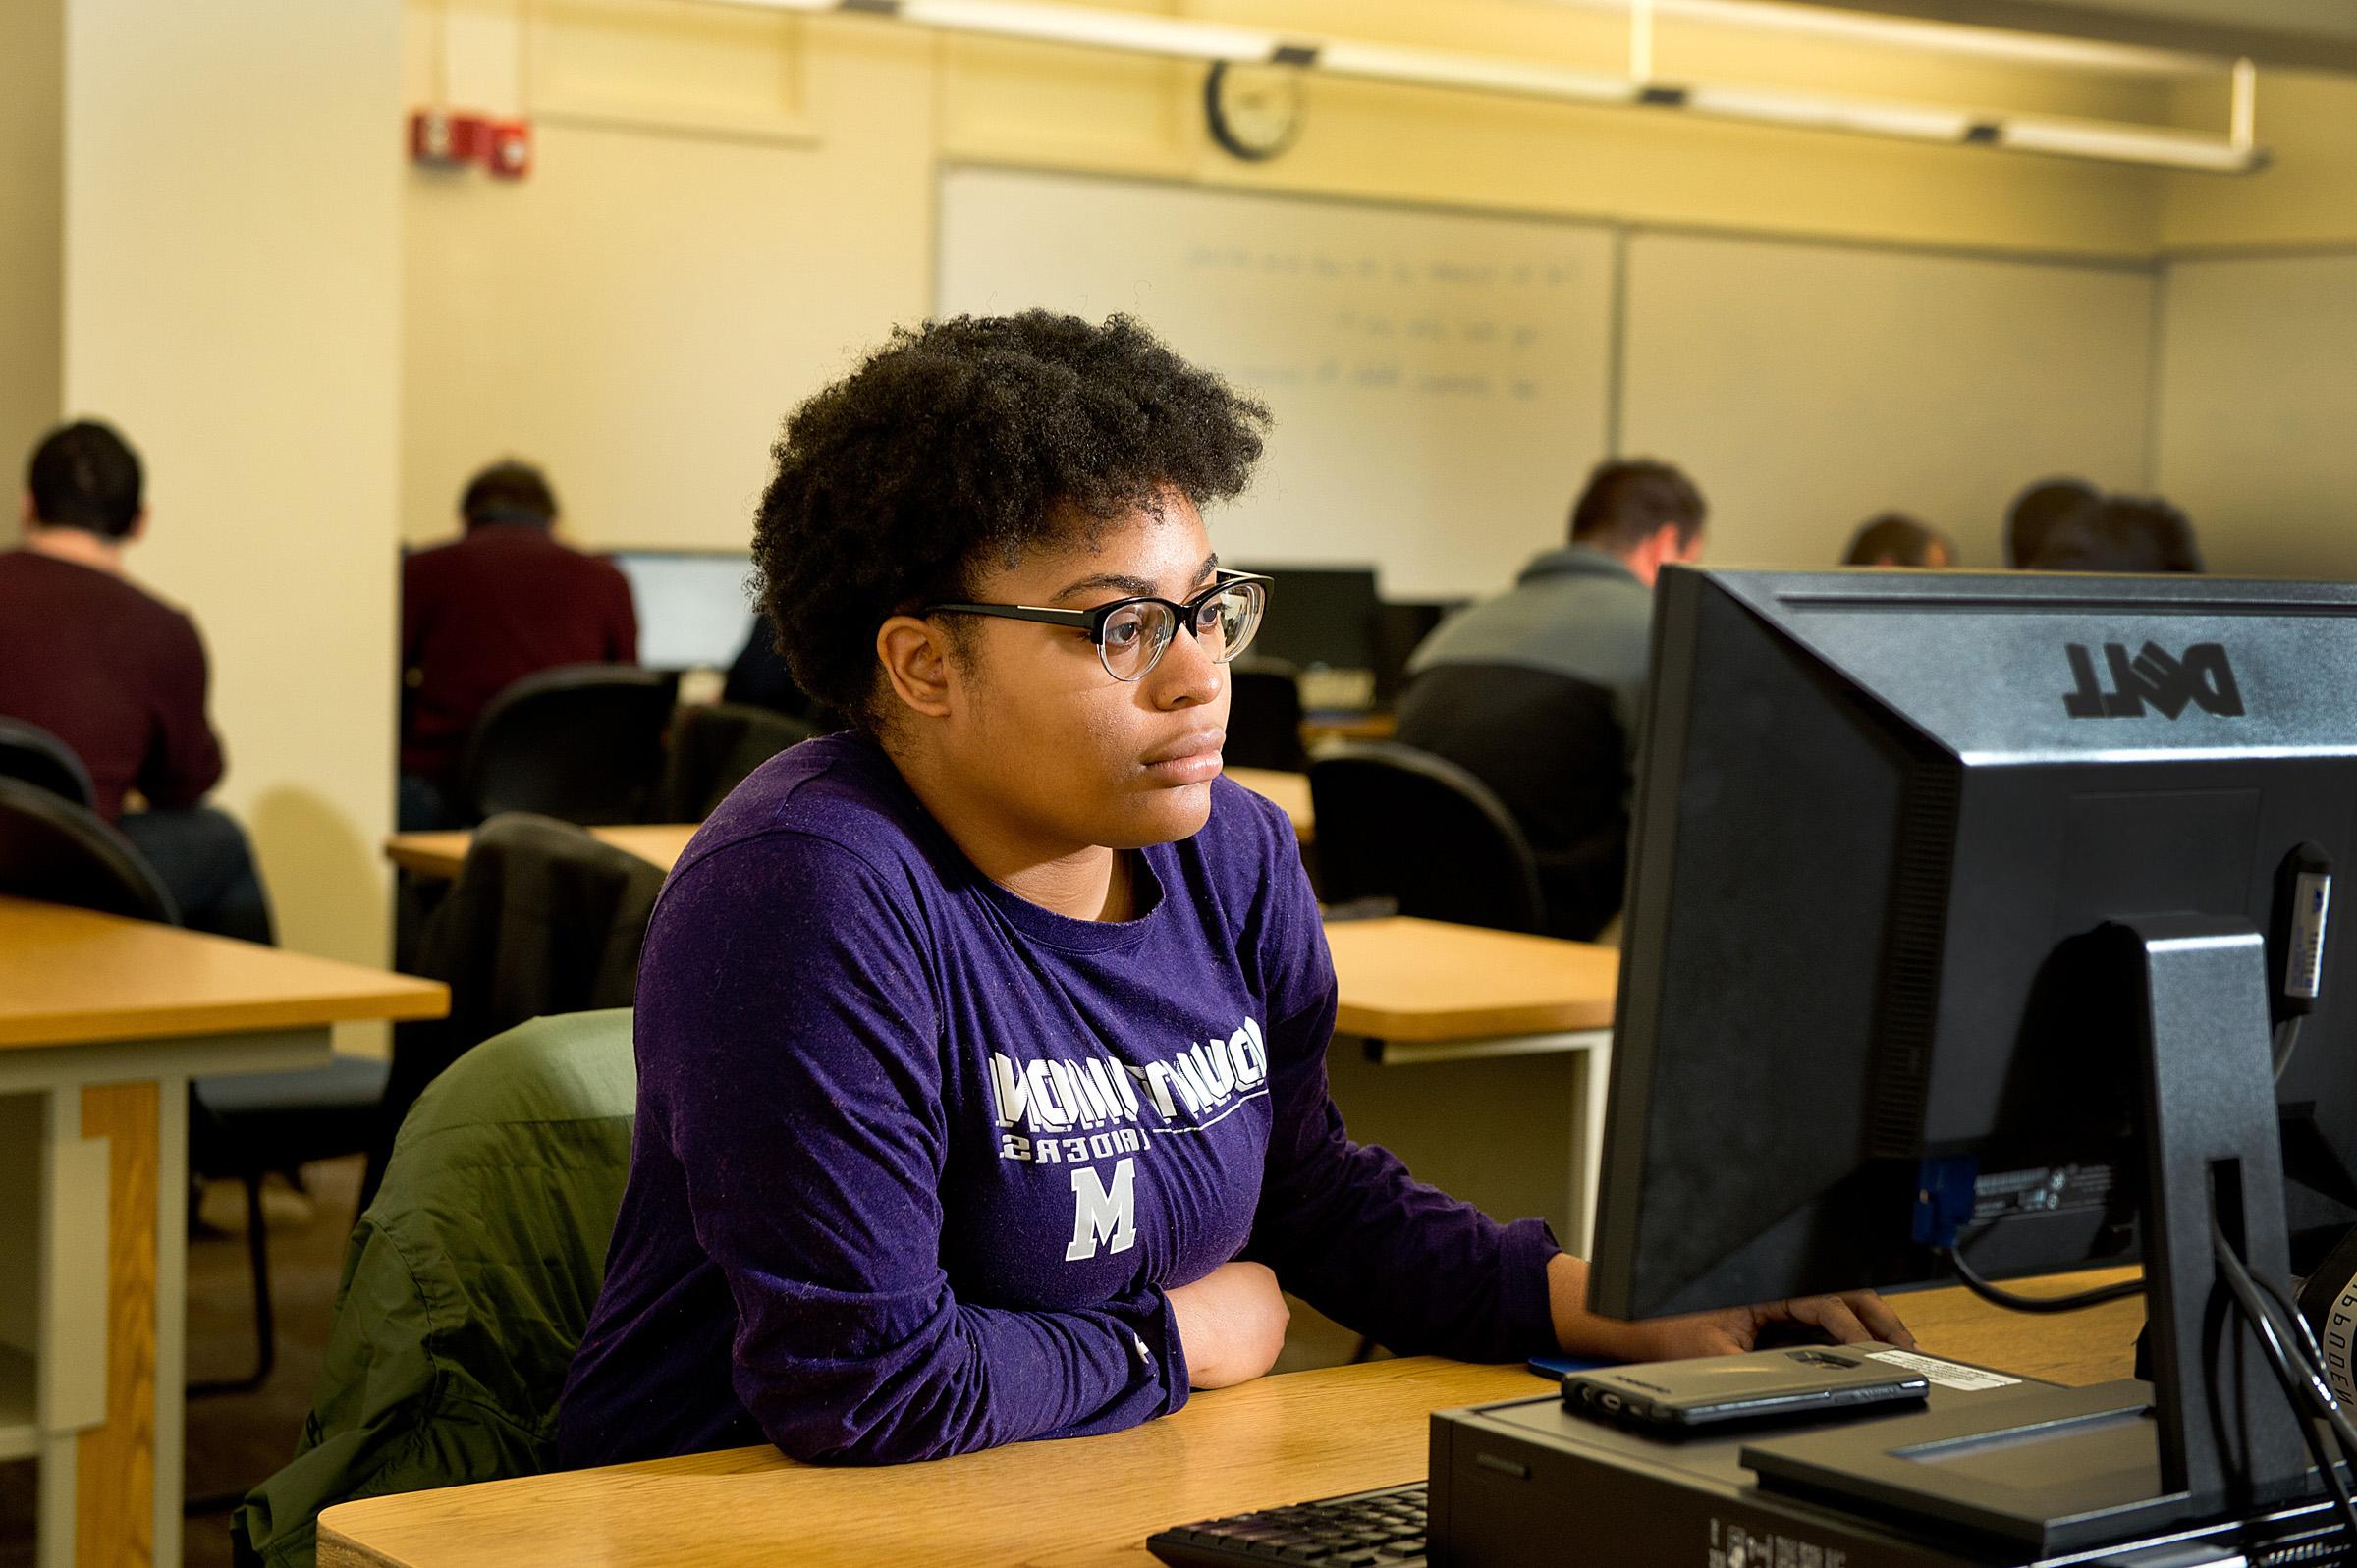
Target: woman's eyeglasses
column 1132, row 634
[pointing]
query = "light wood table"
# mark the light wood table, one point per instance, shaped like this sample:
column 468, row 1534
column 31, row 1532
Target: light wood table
column 440, row 854
column 1507, row 1039
column 103, row 1022
column 1076, row 1503
column 1290, row 790
column 1417, row 985
column 1370, row 726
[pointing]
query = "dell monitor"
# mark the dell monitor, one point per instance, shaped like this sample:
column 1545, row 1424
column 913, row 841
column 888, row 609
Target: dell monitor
column 1962, row 913
column 694, row 609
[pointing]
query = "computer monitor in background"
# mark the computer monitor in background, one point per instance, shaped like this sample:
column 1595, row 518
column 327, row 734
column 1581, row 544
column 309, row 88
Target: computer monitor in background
column 1400, row 626
column 1950, row 915
column 1322, row 621
column 695, row 609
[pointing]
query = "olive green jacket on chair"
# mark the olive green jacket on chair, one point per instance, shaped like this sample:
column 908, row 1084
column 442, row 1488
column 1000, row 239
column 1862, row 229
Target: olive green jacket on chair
column 468, row 1281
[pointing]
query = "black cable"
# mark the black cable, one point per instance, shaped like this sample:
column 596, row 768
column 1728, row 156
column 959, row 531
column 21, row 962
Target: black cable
column 2300, row 1391
column 2307, row 1334
column 2279, row 1359
column 2288, row 1041
column 2318, row 1392
column 1998, row 1295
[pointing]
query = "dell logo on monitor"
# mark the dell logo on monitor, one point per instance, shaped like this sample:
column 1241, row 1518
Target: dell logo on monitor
column 2153, row 678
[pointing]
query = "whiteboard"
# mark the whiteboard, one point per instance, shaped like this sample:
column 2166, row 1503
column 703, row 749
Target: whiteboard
column 1806, row 387
column 1439, row 379
column 2257, row 407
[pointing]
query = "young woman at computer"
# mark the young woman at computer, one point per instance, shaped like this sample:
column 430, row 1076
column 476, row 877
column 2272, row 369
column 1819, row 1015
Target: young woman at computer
column 982, row 1091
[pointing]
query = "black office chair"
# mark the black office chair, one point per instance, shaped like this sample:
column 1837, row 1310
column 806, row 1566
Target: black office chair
column 542, row 919
column 60, row 853
column 1264, row 716
column 35, row 756
column 712, row 748
column 583, row 743
column 1400, row 823
column 244, row 1128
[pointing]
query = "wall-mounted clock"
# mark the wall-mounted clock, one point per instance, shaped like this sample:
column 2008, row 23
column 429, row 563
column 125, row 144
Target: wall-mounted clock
column 1253, row 110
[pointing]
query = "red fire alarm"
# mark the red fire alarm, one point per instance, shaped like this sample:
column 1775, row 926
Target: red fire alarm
column 441, row 139
column 509, row 153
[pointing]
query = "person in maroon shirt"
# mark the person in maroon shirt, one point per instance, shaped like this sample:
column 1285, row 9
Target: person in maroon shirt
column 504, row 601
column 119, row 676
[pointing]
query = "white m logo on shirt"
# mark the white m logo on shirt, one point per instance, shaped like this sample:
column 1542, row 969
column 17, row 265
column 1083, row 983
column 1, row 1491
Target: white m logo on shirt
column 1098, row 1214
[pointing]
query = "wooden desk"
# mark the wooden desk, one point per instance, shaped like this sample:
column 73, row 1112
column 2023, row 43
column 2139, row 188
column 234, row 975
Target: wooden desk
column 1423, row 982
column 1508, row 1043
column 1291, row 790
column 103, row 1022
column 440, row 854
column 1071, row 1504
column 1373, row 726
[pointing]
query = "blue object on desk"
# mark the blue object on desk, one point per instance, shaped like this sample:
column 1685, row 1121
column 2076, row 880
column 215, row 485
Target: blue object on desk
column 1556, row 1367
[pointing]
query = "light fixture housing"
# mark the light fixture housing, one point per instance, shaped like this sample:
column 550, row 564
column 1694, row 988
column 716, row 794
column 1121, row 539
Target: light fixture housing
column 1179, row 37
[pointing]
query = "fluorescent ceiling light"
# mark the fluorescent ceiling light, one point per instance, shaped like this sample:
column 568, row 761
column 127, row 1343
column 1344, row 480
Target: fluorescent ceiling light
column 1935, row 37
column 1137, row 32
column 1131, row 32
column 1433, row 69
column 1831, row 114
column 2089, row 139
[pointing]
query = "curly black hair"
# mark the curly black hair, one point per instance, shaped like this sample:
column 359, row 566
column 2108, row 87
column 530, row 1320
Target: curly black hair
column 965, row 442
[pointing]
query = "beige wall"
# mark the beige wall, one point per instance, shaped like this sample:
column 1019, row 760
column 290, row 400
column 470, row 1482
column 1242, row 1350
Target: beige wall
column 2306, row 197
column 640, row 312
column 231, row 286
column 31, row 194
column 2258, row 387
column 729, row 204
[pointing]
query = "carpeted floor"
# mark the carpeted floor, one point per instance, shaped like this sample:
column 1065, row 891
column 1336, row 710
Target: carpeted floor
column 233, row 1441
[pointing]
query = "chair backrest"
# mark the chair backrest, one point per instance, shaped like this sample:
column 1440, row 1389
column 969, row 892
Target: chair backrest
column 542, row 919
column 713, row 747
column 581, row 743
column 1264, row 716
column 32, row 755
column 468, row 1281
column 1400, row 824
column 60, row 853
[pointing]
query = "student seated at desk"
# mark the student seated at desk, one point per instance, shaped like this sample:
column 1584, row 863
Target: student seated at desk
column 2120, row 533
column 981, row 1048
column 505, row 600
column 1537, row 691
column 120, row 676
column 2036, row 510
column 1895, row 539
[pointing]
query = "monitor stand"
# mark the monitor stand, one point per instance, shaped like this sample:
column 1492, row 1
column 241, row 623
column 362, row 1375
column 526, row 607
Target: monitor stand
column 2212, row 1434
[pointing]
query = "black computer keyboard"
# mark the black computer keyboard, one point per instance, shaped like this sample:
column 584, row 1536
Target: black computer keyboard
column 1365, row 1529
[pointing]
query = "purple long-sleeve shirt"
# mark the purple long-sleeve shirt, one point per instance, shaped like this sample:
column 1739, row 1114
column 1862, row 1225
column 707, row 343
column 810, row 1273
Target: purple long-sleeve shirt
column 915, row 1158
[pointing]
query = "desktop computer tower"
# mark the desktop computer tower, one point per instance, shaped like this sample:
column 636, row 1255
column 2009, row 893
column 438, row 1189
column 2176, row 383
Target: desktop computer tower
column 1528, row 1484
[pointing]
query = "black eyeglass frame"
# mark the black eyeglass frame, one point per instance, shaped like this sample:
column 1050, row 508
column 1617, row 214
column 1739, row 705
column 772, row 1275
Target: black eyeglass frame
column 1093, row 621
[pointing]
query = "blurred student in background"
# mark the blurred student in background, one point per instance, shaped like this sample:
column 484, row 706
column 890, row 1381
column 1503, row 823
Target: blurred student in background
column 2120, row 533
column 1895, row 539
column 120, row 676
column 505, row 600
column 2037, row 510
column 1537, row 692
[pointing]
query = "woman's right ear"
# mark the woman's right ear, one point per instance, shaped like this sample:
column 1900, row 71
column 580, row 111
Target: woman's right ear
column 915, row 656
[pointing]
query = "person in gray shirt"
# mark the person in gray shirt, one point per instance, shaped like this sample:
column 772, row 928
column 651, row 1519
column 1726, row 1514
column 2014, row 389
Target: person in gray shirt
column 1537, row 692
